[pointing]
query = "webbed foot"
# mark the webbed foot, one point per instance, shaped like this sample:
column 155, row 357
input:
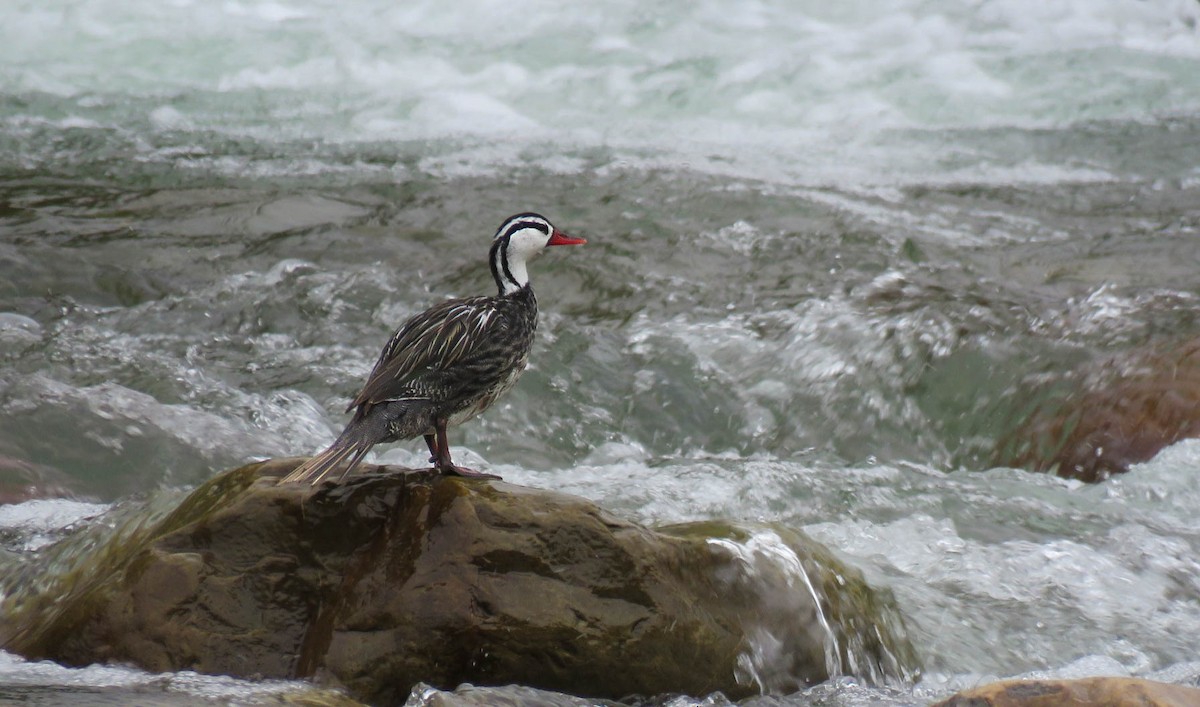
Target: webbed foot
column 455, row 470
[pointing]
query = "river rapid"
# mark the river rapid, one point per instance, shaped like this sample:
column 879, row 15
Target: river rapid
column 829, row 246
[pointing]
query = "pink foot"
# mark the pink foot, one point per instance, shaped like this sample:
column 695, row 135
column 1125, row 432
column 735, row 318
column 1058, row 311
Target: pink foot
column 455, row 470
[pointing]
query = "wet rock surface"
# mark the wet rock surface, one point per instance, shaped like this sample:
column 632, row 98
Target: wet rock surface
column 398, row 577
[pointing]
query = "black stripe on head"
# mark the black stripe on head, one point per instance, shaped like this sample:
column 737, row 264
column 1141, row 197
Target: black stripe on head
column 526, row 220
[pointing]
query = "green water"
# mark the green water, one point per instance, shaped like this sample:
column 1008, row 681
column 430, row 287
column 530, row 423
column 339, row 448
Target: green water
column 841, row 360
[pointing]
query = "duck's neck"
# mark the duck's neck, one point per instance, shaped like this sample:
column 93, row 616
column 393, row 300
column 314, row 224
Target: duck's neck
column 510, row 273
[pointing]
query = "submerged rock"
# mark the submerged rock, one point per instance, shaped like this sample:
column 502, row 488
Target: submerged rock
column 400, row 577
column 1109, row 692
column 22, row 480
column 1122, row 413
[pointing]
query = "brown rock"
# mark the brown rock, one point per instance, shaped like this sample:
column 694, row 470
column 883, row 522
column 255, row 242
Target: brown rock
column 390, row 579
column 1123, row 413
column 1085, row 692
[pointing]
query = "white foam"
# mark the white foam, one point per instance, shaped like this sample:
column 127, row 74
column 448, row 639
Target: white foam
column 47, row 514
column 168, row 118
column 40, row 522
column 449, row 113
column 794, row 93
column 15, row 670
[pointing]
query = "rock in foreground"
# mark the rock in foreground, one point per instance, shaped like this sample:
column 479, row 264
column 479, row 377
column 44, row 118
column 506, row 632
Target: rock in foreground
column 395, row 578
column 1084, row 692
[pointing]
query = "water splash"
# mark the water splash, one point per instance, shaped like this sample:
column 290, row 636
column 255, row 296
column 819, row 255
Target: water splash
column 801, row 617
column 773, row 571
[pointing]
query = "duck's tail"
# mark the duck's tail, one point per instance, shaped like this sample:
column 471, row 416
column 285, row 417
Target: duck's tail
column 352, row 445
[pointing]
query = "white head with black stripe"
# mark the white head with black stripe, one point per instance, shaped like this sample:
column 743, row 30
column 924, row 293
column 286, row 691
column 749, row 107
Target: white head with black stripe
column 521, row 238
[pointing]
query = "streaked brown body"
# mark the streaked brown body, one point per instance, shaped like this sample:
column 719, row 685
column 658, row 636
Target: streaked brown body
column 437, row 364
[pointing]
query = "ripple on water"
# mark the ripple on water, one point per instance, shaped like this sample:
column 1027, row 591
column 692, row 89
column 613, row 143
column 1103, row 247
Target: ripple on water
column 32, row 525
column 22, row 680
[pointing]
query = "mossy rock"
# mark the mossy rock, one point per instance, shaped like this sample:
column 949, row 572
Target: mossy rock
column 396, row 577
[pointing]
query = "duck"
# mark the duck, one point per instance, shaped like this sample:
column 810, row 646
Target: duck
column 447, row 364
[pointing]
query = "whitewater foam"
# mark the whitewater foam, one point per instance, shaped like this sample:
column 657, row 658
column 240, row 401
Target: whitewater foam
column 799, row 94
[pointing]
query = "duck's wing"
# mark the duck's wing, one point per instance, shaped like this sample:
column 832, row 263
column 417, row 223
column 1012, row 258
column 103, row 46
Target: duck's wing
column 421, row 357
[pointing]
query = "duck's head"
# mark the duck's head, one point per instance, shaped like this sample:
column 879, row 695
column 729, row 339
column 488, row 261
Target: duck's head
column 520, row 239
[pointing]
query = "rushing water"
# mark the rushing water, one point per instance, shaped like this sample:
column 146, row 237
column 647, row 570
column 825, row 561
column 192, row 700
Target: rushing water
column 827, row 242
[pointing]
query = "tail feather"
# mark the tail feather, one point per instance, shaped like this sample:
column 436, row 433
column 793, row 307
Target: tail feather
column 316, row 469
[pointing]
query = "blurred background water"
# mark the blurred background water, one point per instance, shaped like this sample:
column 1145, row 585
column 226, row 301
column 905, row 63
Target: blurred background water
column 827, row 242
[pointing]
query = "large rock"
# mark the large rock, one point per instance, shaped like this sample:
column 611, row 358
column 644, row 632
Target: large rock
column 1116, row 414
column 395, row 578
column 1084, row 692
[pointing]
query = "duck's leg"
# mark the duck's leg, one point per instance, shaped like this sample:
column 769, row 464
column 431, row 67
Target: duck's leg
column 431, row 442
column 442, row 460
